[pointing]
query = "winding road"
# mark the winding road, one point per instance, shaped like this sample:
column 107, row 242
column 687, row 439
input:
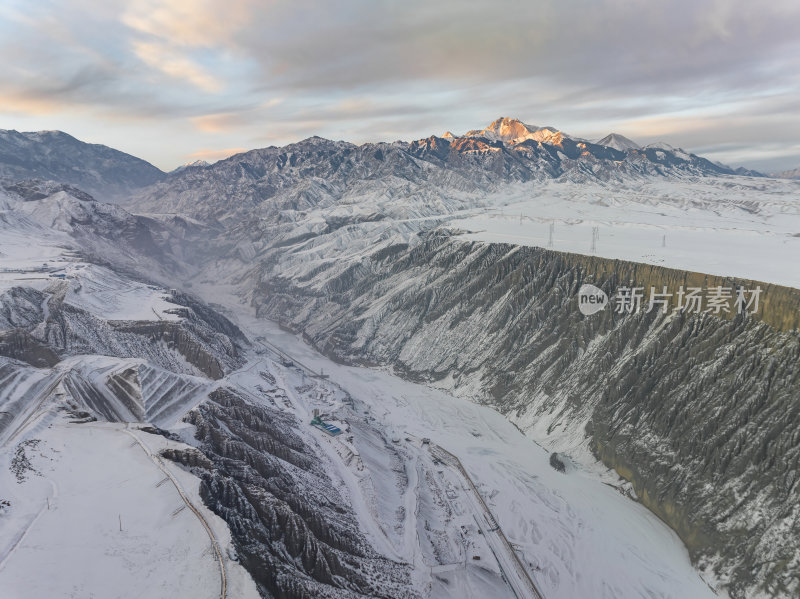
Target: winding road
column 512, row 568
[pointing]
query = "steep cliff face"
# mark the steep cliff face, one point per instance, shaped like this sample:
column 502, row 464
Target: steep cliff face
column 699, row 412
column 293, row 530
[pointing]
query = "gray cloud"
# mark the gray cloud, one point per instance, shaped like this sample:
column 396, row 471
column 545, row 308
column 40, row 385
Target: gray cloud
column 708, row 74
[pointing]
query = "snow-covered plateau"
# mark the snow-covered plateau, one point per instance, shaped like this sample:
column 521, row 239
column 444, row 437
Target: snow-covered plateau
column 736, row 227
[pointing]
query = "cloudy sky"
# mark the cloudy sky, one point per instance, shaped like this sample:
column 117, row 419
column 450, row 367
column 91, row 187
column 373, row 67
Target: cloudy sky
column 186, row 79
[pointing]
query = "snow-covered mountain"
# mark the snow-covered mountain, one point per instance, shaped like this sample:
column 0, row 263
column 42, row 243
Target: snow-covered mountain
column 322, row 172
column 791, row 174
column 57, row 156
column 193, row 164
column 618, row 142
column 513, row 131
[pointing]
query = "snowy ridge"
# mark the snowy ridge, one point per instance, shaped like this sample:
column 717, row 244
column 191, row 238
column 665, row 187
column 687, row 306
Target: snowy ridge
column 57, row 156
column 618, row 142
column 132, row 390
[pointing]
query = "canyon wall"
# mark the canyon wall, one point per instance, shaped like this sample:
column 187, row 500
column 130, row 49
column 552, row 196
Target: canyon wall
column 700, row 412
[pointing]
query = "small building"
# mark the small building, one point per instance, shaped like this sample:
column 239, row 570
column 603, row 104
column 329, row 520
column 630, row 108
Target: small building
column 328, row 428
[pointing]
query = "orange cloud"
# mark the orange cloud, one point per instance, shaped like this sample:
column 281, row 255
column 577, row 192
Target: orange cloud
column 204, row 23
column 173, row 63
column 216, row 123
column 220, row 122
column 27, row 104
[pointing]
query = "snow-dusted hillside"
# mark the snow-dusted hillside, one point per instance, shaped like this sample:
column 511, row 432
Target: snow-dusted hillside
column 57, row 156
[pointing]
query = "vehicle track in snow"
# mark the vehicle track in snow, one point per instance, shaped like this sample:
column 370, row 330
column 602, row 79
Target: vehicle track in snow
column 223, row 591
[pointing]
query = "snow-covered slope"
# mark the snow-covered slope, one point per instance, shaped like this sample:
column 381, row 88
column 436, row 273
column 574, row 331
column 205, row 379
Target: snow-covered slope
column 90, row 515
column 618, row 142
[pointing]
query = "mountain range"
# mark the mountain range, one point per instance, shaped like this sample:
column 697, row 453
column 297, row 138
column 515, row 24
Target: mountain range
column 317, row 170
column 506, row 150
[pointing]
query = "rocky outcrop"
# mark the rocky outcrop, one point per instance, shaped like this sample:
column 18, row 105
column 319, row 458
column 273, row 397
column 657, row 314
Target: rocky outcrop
column 292, row 529
column 700, row 412
column 187, row 342
column 20, row 345
column 207, row 341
